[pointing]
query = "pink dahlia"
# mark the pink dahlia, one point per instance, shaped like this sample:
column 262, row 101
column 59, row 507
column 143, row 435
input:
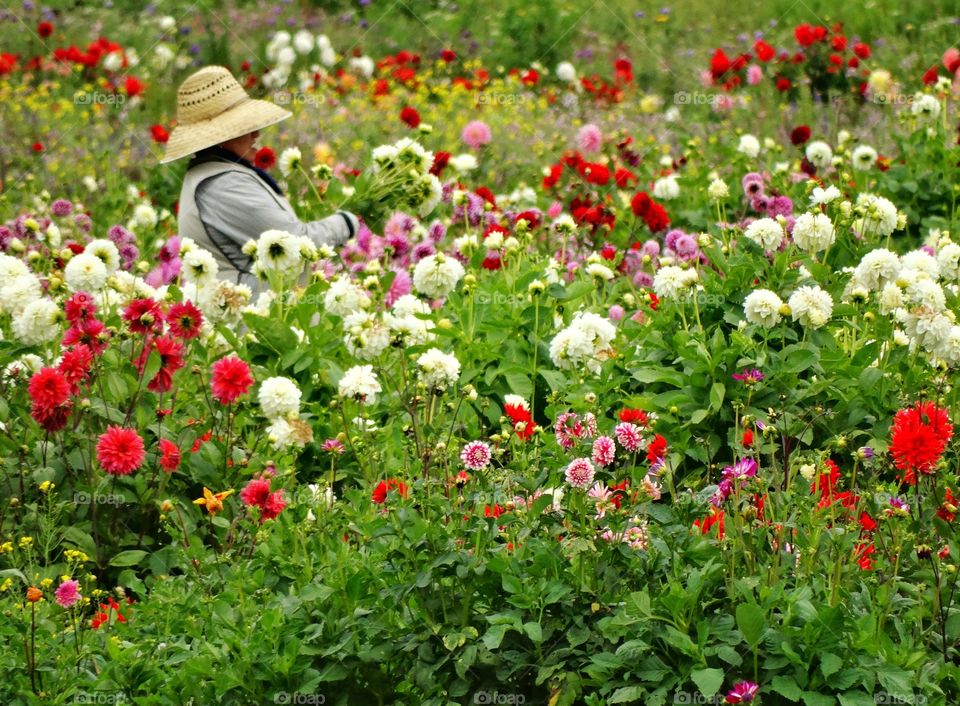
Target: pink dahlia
column 475, row 455
column 120, row 451
column 256, row 492
column 68, row 593
column 589, row 138
column 628, row 434
column 476, row 134
column 580, row 473
column 603, row 451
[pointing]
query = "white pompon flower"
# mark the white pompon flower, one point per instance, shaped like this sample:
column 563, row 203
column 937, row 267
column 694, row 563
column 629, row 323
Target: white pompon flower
column 38, row 323
column 345, row 297
column 85, row 273
column 279, row 397
column 863, row 158
column 278, row 252
column 814, row 232
column 200, row 268
column 876, row 268
column 666, row 188
column 948, row 258
column 878, row 215
column 925, row 107
column 819, row 154
column 672, row 282
column 749, row 145
column 765, row 232
column 438, row 370
column 811, row 306
column 762, row 307
column 437, row 275
column 566, row 72
column 360, row 383
column 366, row 335
column 106, row 251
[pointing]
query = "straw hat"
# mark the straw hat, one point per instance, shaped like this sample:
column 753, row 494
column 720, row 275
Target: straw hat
column 213, row 108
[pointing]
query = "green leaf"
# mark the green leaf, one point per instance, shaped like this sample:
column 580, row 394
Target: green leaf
column 786, row 687
column 752, row 622
column 131, row 557
column 717, row 392
column 857, row 698
column 811, row 698
column 830, row 664
column 511, row 584
column 533, row 631
column 708, row 681
column 626, row 694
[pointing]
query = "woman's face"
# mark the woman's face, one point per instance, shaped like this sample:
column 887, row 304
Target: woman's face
column 242, row 146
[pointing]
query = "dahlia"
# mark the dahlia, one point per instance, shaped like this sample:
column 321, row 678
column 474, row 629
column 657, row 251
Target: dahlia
column 476, row 134
column 476, row 455
column 171, row 359
column 918, row 438
column 279, row 397
column 68, row 593
column 230, row 378
column 762, row 307
column 49, row 387
column 819, row 154
column 80, row 307
column 813, row 232
column 185, row 320
column 657, row 449
column 603, row 451
column 438, row 370
column 589, row 138
column 579, row 473
column 169, row 456
column 379, row 495
column 256, row 492
column 518, row 410
column 91, row 333
column 273, row 506
column 345, row 297
column 628, row 435
column 75, row 366
column 120, row 451
column 360, row 383
column 143, row 316
column 38, row 323
column 811, row 306
column 766, row 233
column 436, row 276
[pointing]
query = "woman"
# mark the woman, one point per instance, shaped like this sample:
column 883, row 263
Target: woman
column 225, row 200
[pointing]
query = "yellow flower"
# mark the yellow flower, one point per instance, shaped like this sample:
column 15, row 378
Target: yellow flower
column 212, row 501
column 26, row 542
column 6, row 547
column 46, row 486
column 46, row 583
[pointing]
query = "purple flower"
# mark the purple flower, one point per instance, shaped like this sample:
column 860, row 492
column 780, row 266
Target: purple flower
column 436, row 232
column 670, row 239
column 742, row 470
column 61, row 207
column 752, row 184
column 780, row 206
column 686, row 247
column 749, row 377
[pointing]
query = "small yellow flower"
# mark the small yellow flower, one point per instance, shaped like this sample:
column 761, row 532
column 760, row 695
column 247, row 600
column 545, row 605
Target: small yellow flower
column 46, row 583
column 6, row 547
column 26, row 542
column 46, row 486
column 213, row 501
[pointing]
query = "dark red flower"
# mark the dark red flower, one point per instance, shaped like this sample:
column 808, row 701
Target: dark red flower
column 763, row 51
column 862, row 50
column 931, row 75
column 800, row 135
column 45, row 29
column 37, row 147
column 50, row 393
column 440, row 161
column 184, row 319
column 265, row 158
column 448, row 55
column 256, row 492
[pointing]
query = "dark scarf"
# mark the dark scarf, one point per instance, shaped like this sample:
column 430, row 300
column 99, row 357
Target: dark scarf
column 212, row 154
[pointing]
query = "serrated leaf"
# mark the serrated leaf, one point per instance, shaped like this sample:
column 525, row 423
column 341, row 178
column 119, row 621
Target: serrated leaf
column 786, row 687
column 626, row 694
column 830, row 664
column 752, row 622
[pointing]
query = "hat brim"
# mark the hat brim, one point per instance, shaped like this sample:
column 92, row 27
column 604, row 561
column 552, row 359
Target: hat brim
column 248, row 116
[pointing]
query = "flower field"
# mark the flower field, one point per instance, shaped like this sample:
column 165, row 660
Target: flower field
column 636, row 384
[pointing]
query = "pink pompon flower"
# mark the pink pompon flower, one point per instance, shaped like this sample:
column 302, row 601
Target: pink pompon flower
column 230, row 378
column 616, row 312
column 256, row 492
column 579, row 473
column 476, row 134
column 120, row 451
column 589, row 138
column 603, row 451
column 555, row 209
column 628, row 435
column 68, row 593
column 475, row 455
column 742, row 692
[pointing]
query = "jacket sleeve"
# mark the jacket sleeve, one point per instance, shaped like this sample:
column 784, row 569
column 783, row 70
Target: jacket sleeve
column 238, row 206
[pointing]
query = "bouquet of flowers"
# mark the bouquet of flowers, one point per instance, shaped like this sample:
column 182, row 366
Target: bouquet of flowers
column 398, row 179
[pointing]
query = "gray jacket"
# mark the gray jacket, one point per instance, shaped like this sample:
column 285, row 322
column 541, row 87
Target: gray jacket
column 223, row 205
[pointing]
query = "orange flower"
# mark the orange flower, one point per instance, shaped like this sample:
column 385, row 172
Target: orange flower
column 212, row 501
column 34, row 594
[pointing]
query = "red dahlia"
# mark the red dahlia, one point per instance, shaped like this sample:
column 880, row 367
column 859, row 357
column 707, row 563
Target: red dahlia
column 120, row 451
column 143, row 316
column 49, row 388
column 171, row 359
column 919, row 436
column 230, row 378
column 185, row 320
column 80, row 307
column 410, row 116
column 75, row 366
column 657, row 449
column 379, row 495
column 169, row 456
column 265, row 158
